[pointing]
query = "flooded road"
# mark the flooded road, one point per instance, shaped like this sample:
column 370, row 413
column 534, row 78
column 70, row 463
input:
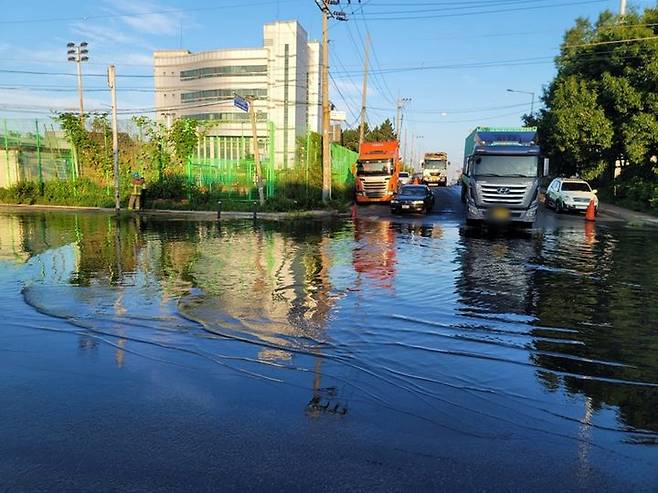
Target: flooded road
column 381, row 353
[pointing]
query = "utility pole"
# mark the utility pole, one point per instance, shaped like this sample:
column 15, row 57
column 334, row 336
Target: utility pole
column 622, row 7
column 364, row 89
column 326, row 110
column 111, row 81
column 254, row 136
column 398, row 115
column 78, row 54
column 326, row 105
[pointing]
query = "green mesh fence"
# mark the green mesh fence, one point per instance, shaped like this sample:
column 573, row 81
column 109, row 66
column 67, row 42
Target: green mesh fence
column 33, row 150
column 225, row 165
column 38, row 151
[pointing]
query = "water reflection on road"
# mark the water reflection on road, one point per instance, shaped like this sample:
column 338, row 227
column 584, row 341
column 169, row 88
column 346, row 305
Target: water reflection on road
column 548, row 336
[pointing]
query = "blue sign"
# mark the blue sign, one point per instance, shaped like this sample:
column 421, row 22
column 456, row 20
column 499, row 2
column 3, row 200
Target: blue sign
column 241, row 103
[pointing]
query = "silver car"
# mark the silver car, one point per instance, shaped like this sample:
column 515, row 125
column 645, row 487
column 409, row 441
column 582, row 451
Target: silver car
column 404, row 178
column 570, row 194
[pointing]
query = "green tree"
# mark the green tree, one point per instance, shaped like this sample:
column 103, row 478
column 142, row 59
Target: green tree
column 380, row 133
column 576, row 128
column 601, row 107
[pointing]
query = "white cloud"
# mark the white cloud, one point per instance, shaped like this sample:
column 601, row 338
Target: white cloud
column 147, row 22
column 104, row 35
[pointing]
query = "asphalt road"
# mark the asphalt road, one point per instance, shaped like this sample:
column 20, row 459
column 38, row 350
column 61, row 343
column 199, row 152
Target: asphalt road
column 448, row 207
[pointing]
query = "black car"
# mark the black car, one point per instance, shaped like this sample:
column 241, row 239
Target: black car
column 413, row 198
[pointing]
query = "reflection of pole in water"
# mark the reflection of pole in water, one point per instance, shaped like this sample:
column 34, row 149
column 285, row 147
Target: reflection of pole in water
column 585, row 435
column 323, row 399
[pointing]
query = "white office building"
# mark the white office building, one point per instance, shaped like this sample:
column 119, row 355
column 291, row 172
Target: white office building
column 283, row 76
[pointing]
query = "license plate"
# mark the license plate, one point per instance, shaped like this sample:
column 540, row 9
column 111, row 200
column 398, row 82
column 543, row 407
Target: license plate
column 405, row 206
column 500, row 214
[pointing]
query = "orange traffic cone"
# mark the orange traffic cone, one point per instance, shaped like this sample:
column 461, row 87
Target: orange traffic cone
column 591, row 211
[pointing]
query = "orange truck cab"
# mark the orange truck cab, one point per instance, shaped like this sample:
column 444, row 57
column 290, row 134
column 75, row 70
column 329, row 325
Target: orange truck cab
column 377, row 171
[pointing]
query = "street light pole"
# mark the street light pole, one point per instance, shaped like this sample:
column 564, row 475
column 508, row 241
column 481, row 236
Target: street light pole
column 78, row 54
column 622, row 7
column 532, row 102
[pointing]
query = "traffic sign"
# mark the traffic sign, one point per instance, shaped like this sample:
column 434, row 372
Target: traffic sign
column 241, row 103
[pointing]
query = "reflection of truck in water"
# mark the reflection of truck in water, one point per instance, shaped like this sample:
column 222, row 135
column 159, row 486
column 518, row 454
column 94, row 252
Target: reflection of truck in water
column 377, row 171
column 435, row 168
column 500, row 179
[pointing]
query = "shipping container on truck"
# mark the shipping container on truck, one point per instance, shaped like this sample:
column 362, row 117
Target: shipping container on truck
column 500, row 178
column 377, row 171
column 435, row 168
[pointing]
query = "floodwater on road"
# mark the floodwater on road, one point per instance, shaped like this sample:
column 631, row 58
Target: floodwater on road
column 152, row 355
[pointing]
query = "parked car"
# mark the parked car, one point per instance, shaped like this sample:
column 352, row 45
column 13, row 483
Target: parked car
column 570, row 194
column 404, row 178
column 413, row 198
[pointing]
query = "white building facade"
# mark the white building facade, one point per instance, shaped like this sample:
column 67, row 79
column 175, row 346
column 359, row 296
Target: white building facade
column 283, row 77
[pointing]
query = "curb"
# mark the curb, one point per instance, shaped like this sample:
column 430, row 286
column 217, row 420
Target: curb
column 182, row 214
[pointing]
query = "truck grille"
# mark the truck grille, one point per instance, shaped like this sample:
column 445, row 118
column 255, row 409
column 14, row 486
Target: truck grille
column 503, row 194
column 375, row 189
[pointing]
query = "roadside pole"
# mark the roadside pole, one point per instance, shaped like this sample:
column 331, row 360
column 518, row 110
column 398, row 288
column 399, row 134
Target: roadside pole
column 254, row 134
column 326, row 110
column 401, row 102
column 364, row 90
column 622, row 7
column 111, row 81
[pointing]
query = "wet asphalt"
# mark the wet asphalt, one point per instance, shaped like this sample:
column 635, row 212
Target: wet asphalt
column 384, row 353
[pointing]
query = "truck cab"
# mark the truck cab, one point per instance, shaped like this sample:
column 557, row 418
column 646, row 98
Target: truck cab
column 435, row 169
column 377, row 171
column 500, row 179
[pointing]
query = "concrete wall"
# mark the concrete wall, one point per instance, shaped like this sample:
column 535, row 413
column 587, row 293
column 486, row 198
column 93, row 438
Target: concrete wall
column 8, row 167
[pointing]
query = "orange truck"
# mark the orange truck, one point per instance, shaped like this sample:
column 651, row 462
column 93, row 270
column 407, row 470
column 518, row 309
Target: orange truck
column 377, row 171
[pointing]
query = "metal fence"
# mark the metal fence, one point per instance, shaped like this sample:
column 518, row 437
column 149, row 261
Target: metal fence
column 33, row 150
column 38, row 151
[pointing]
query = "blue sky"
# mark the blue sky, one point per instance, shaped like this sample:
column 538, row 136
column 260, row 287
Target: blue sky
column 421, row 48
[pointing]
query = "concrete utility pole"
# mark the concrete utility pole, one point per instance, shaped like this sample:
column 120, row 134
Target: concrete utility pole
column 78, row 54
column 364, row 90
column 111, row 81
column 622, row 7
column 326, row 110
column 254, row 136
column 326, row 105
column 398, row 115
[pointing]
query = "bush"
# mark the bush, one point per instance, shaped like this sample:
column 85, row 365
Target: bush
column 170, row 187
column 638, row 193
column 21, row 193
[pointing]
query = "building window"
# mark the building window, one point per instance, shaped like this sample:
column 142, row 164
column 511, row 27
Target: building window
column 220, row 94
column 226, row 71
column 227, row 117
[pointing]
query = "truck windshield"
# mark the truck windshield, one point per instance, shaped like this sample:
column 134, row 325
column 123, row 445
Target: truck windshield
column 523, row 166
column 436, row 164
column 375, row 167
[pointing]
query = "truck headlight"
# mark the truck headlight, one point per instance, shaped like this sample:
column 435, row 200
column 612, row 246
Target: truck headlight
column 418, row 202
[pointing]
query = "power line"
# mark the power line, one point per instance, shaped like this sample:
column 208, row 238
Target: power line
column 484, row 12
column 139, row 14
